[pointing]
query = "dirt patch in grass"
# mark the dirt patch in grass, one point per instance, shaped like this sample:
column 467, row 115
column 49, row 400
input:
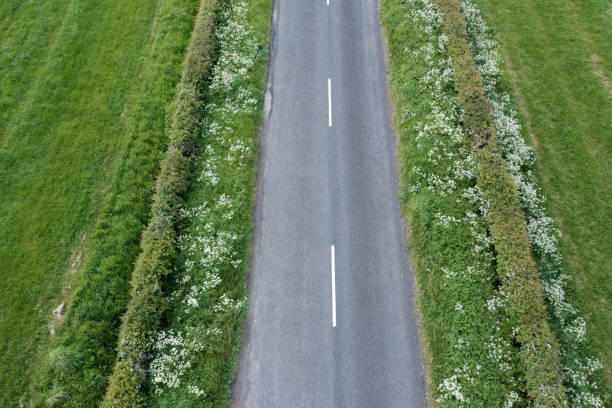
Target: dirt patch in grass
column 68, row 284
column 598, row 71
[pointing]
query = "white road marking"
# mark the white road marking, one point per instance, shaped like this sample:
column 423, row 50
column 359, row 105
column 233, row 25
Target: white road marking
column 333, row 276
column 329, row 100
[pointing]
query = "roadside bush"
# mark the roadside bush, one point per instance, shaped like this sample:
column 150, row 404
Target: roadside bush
column 539, row 348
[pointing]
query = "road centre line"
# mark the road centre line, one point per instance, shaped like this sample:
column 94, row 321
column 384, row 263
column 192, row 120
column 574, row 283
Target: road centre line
column 329, row 101
column 333, row 277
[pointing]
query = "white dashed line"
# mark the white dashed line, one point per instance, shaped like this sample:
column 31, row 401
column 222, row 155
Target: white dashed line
column 333, row 277
column 329, row 101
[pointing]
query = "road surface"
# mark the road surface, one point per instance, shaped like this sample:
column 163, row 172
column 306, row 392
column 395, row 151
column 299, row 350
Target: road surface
column 330, row 321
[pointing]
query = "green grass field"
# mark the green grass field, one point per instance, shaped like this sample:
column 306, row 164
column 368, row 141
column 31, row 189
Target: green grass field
column 560, row 65
column 24, row 48
column 70, row 74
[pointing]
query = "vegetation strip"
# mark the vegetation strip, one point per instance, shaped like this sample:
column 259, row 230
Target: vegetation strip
column 418, row 41
column 566, row 112
column 68, row 74
column 195, row 352
column 581, row 368
column 148, row 299
column 85, row 348
column 467, row 332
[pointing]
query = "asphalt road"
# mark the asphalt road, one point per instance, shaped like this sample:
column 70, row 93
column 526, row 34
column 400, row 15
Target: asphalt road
column 321, row 186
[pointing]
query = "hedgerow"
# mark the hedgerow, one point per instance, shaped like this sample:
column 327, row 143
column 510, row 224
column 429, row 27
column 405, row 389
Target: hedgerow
column 194, row 353
column 581, row 366
column 89, row 332
column 154, row 265
column 539, row 358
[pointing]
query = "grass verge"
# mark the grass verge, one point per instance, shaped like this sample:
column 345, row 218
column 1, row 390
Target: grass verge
column 195, row 351
column 466, row 327
column 538, row 349
column 84, row 352
column 148, row 299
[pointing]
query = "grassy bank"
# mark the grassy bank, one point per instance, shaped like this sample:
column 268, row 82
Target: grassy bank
column 67, row 75
column 195, row 351
column 75, row 374
column 567, row 110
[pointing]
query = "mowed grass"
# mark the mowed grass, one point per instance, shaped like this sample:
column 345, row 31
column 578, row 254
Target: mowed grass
column 24, row 47
column 68, row 74
column 558, row 56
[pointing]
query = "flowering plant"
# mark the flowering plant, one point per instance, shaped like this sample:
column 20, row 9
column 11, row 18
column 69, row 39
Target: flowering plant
column 194, row 354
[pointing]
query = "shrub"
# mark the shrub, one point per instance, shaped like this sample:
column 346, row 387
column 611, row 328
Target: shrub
column 64, row 362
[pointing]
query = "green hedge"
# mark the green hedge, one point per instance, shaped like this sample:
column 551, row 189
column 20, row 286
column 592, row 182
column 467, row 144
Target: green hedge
column 583, row 371
column 450, row 249
column 148, row 299
column 194, row 352
column 486, row 331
